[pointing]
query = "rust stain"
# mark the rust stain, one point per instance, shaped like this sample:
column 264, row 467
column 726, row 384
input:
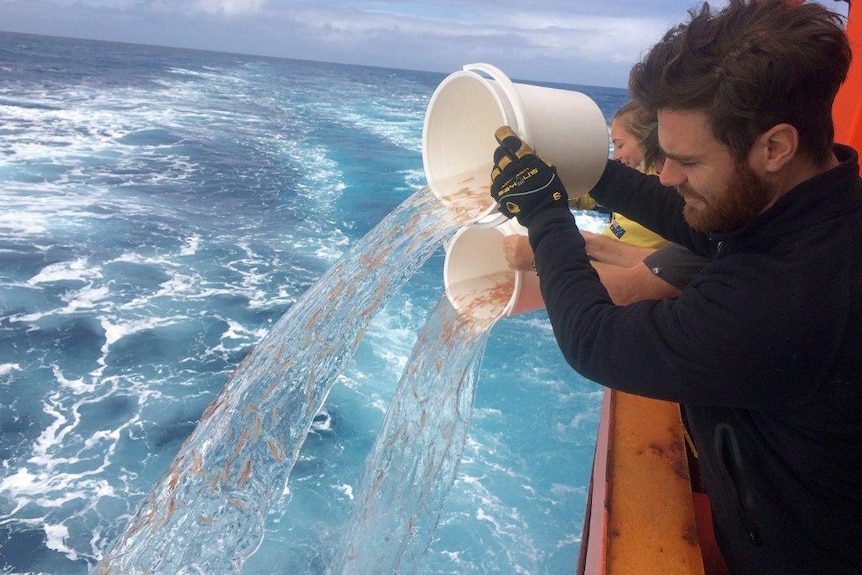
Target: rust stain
column 690, row 536
column 681, row 470
column 646, row 455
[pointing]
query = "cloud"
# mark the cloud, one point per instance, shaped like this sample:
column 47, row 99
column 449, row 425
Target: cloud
column 534, row 44
column 230, row 8
column 594, row 41
column 558, row 35
column 581, row 37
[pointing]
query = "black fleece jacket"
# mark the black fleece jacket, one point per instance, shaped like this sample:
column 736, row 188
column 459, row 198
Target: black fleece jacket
column 763, row 350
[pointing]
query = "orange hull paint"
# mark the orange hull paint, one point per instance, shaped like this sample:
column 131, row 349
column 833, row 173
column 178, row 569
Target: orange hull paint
column 847, row 111
column 642, row 516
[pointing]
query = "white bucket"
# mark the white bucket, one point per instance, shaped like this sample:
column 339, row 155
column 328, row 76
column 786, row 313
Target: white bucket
column 564, row 127
column 479, row 283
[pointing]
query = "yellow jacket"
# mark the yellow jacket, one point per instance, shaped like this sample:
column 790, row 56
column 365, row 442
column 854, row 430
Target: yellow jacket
column 629, row 231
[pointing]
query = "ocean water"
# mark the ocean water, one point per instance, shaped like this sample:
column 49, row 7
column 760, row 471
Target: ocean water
column 160, row 210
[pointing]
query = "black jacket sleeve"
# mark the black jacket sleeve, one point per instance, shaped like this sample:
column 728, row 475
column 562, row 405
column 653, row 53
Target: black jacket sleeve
column 644, row 199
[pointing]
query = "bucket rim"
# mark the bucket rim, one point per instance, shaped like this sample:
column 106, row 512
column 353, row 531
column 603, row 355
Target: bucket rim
column 452, row 250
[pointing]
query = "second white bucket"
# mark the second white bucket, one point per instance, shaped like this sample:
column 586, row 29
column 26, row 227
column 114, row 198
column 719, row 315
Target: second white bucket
column 479, row 283
column 564, row 127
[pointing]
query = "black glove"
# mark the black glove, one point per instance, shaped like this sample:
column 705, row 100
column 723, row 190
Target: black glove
column 523, row 184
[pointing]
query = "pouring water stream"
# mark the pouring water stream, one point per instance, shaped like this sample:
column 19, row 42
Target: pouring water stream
column 206, row 513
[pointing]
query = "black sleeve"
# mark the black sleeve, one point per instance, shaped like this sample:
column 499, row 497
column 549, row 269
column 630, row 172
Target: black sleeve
column 644, row 199
column 727, row 340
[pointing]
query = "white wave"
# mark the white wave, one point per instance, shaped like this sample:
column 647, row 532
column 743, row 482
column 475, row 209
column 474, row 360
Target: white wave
column 324, row 183
column 7, row 368
column 115, row 331
column 332, row 249
column 190, row 247
column 346, row 490
column 53, row 435
column 50, row 490
column 139, row 258
column 56, row 536
column 77, row 386
column 236, row 338
column 402, row 134
column 87, row 297
column 414, row 179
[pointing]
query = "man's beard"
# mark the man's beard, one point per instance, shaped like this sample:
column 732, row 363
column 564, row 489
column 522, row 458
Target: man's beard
column 745, row 197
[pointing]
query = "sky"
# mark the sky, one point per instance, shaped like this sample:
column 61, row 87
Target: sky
column 589, row 42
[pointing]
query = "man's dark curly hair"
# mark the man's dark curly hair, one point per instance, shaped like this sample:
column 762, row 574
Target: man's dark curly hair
column 751, row 66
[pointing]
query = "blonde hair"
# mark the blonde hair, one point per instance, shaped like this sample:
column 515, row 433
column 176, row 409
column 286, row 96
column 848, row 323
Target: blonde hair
column 643, row 125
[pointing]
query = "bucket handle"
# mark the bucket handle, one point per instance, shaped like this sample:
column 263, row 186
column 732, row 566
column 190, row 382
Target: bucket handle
column 508, row 88
column 490, row 221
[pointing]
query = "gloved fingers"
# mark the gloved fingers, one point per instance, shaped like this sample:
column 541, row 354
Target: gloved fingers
column 511, row 149
column 501, row 162
column 511, row 144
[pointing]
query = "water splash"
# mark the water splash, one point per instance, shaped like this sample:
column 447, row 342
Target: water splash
column 206, row 513
column 415, row 457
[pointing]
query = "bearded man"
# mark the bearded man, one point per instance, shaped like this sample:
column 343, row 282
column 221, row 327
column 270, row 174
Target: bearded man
column 763, row 349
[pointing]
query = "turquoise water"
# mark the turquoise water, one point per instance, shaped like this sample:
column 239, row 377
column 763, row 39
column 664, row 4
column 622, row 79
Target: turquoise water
column 161, row 211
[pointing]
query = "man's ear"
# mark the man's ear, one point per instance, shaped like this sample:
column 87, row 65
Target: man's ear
column 776, row 147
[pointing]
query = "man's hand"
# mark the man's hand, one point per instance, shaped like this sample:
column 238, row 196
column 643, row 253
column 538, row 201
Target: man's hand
column 523, row 184
column 518, row 253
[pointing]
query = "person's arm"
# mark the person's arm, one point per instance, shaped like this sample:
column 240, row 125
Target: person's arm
column 518, row 253
column 644, row 199
column 629, row 284
column 696, row 349
column 625, row 284
column 611, row 251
